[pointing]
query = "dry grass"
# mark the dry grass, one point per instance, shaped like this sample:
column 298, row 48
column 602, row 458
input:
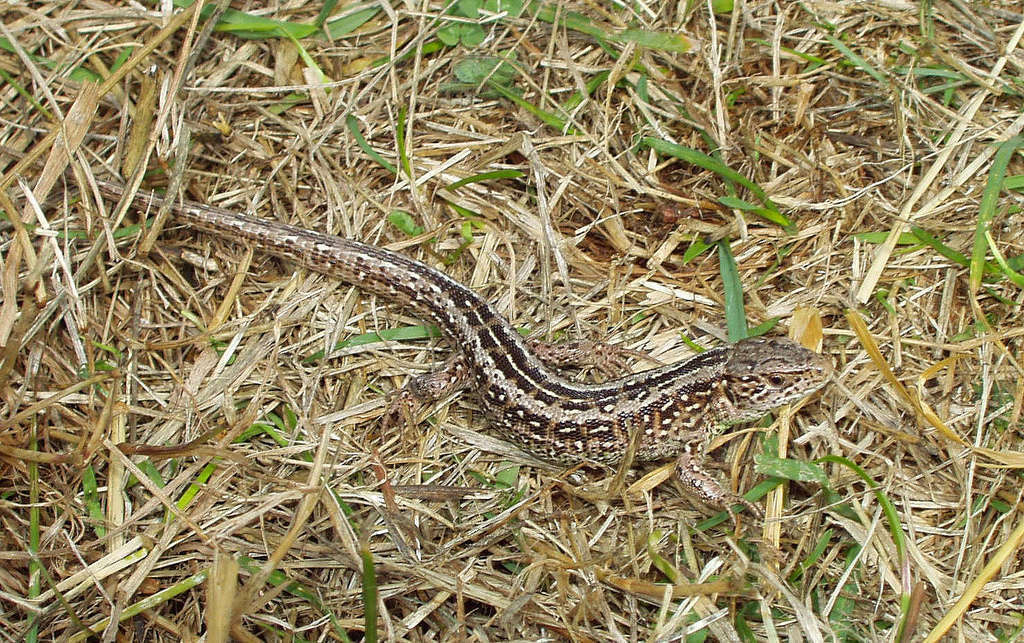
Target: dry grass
column 858, row 120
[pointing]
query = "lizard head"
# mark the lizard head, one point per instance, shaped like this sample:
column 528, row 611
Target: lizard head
column 762, row 373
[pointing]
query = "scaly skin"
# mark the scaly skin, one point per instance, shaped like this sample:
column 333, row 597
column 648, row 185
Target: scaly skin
column 671, row 411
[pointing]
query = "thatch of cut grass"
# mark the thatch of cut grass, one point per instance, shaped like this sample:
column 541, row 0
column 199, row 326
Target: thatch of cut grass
column 191, row 430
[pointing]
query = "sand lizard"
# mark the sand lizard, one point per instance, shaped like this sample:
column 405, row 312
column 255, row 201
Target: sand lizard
column 671, row 411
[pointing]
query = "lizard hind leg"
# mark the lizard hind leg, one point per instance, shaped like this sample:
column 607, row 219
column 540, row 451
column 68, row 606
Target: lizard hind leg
column 608, row 359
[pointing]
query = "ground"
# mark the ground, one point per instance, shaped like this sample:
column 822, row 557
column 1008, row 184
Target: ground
column 192, row 439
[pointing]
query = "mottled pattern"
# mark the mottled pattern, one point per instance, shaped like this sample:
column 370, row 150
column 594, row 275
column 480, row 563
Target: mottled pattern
column 669, row 411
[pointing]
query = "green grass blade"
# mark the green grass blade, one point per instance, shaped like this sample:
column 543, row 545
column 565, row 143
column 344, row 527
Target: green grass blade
column 763, row 327
column 429, row 47
column 790, row 469
column 347, row 24
column 29, row 98
column 571, row 20
column 91, row 498
column 78, row 74
column 989, row 267
column 591, row 86
column 325, row 11
column 149, row 602
column 663, row 565
column 856, row 60
column 307, row 59
column 122, row 57
column 546, row 117
column 484, row 176
column 813, row 557
column 987, row 210
column 193, row 489
column 712, row 164
column 1008, row 272
column 295, row 588
column 888, row 508
column 403, row 157
column 369, row 596
column 475, row 70
column 755, row 493
column 815, row 61
column 926, row 237
column 892, row 519
column 696, row 248
column 675, row 43
column 251, row 26
column 149, row 469
column 774, row 216
column 353, row 127
column 879, row 236
column 405, row 333
column 660, row 40
column 735, row 316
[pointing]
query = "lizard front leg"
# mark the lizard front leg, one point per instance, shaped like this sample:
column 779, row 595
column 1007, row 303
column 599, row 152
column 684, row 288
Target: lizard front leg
column 691, row 472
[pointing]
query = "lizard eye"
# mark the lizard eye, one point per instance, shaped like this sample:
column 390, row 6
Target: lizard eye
column 776, row 380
